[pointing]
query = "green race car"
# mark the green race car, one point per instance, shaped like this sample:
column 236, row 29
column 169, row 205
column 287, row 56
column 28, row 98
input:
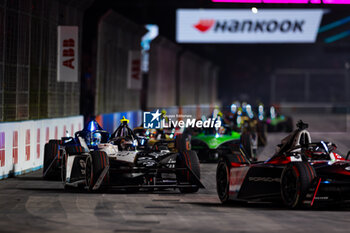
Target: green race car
column 210, row 143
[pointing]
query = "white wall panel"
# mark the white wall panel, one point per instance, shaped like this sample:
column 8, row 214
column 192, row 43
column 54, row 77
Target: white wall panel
column 29, row 142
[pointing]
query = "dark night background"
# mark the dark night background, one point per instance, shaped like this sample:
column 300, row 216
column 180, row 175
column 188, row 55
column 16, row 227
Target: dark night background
column 245, row 69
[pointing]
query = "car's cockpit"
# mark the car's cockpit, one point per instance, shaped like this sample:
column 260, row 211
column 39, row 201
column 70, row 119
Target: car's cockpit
column 298, row 147
column 124, row 131
column 92, row 135
column 124, row 137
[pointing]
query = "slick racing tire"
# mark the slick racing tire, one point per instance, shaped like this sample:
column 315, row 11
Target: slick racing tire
column 183, row 142
column 188, row 159
column 246, row 142
column 51, row 161
column 295, row 181
column 96, row 162
column 223, row 180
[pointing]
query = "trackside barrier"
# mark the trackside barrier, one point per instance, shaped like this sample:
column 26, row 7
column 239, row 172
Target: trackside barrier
column 22, row 143
column 111, row 121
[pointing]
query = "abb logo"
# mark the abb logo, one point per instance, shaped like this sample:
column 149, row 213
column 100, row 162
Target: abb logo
column 204, row 24
column 68, row 52
column 134, row 78
column 136, row 69
column 2, row 149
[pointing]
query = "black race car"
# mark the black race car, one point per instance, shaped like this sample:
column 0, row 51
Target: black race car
column 300, row 174
column 122, row 162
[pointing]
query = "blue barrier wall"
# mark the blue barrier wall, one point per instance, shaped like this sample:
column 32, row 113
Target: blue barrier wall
column 111, row 121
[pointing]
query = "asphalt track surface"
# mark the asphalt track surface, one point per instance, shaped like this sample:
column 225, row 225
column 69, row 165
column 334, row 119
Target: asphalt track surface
column 30, row 204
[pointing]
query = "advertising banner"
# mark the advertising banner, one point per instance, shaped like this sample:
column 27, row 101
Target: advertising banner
column 288, row 1
column 67, row 54
column 134, row 70
column 244, row 26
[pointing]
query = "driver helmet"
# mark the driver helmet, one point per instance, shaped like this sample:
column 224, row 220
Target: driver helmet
column 233, row 108
column 261, row 112
column 153, row 133
column 164, row 116
column 222, row 130
column 163, row 112
column 124, row 121
column 96, row 139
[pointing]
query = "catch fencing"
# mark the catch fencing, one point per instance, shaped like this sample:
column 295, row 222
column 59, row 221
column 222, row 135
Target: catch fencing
column 28, row 59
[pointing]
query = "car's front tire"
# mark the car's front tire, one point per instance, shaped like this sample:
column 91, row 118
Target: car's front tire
column 296, row 179
column 96, row 162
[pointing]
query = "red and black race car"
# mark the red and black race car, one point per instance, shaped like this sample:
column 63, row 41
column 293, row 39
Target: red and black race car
column 300, row 174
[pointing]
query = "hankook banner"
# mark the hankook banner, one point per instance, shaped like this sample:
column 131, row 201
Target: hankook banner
column 67, row 54
column 244, row 26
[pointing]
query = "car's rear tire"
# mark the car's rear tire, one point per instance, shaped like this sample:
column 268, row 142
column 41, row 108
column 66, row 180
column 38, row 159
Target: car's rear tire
column 223, row 180
column 51, row 152
column 296, row 179
column 96, row 162
column 188, row 159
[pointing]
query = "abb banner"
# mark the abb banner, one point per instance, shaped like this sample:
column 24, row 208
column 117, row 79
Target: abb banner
column 134, row 70
column 22, row 143
column 244, row 26
column 67, row 54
